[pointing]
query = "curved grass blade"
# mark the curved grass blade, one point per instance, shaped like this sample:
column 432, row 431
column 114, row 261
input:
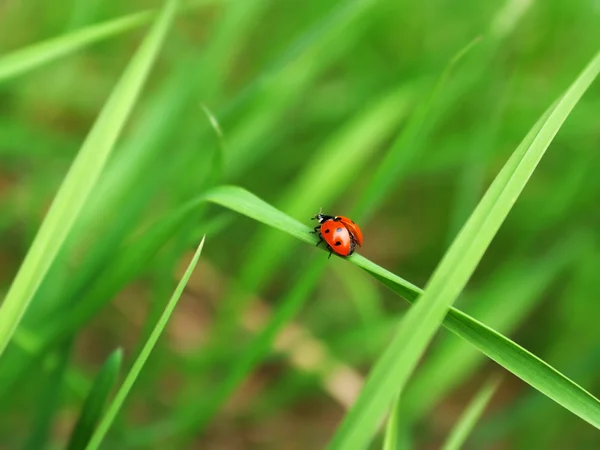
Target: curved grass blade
column 496, row 346
column 505, row 352
column 138, row 365
column 394, row 367
column 33, row 56
column 81, row 179
column 95, row 401
column 469, row 418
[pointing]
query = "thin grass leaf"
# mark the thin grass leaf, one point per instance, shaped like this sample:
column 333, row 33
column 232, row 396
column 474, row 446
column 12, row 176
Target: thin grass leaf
column 523, row 281
column 49, row 400
column 394, row 367
column 138, row 365
column 505, row 352
column 26, row 59
column 61, row 324
column 345, row 152
column 197, row 417
column 391, row 430
column 361, row 291
column 81, row 179
column 33, row 56
column 95, row 401
column 406, row 146
column 469, row 418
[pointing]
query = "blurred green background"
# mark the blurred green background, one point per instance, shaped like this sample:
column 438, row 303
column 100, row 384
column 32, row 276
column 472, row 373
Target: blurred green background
column 310, row 97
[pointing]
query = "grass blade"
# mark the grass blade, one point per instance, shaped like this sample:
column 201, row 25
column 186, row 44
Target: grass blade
column 505, row 352
column 95, row 401
column 138, row 365
column 523, row 281
column 81, row 179
column 406, row 144
column 469, row 418
column 394, row 367
column 391, row 430
column 49, row 400
column 26, row 59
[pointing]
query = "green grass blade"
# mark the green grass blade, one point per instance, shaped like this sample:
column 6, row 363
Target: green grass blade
column 501, row 349
column 33, row 56
column 48, row 403
column 81, row 179
column 505, row 352
column 95, row 401
column 197, row 417
column 391, row 429
column 469, row 418
column 138, row 365
column 345, row 153
column 405, row 147
column 523, row 281
column 26, row 59
column 418, row 327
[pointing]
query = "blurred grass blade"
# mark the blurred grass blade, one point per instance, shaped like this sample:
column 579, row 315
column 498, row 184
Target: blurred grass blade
column 31, row 57
column 95, row 401
column 391, row 430
column 505, row 352
column 523, row 281
column 129, row 264
column 469, row 418
column 138, row 365
column 48, row 403
column 81, row 179
column 257, row 350
column 406, row 145
column 26, row 59
column 394, row 367
column 345, row 153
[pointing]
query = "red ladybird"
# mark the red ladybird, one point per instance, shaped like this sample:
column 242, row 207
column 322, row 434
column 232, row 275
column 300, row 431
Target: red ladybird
column 340, row 233
column 352, row 228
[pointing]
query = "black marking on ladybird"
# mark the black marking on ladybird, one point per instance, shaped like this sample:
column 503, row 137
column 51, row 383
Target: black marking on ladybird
column 339, row 230
column 352, row 246
column 338, row 243
column 327, row 230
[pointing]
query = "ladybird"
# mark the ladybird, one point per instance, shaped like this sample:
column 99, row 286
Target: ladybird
column 340, row 233
column 352, row 228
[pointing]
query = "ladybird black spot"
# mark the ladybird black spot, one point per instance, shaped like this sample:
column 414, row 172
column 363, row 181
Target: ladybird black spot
column 339, row 230
column 338, row 243
column 327, row 231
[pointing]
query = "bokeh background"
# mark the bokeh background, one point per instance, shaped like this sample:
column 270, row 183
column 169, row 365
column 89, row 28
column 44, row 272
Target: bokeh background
column 309, row 97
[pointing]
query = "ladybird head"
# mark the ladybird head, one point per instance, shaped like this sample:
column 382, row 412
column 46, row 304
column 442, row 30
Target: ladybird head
column 321, row 217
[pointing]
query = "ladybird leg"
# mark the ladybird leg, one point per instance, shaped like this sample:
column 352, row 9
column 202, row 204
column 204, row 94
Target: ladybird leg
column 320, row 240
column 316, row 229
column 330, row 253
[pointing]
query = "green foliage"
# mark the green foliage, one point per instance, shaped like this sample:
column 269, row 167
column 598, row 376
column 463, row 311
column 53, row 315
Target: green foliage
column 80, row 181
column 114, row 407
column 252, row 116
column 469, row 418
column 95, row 402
